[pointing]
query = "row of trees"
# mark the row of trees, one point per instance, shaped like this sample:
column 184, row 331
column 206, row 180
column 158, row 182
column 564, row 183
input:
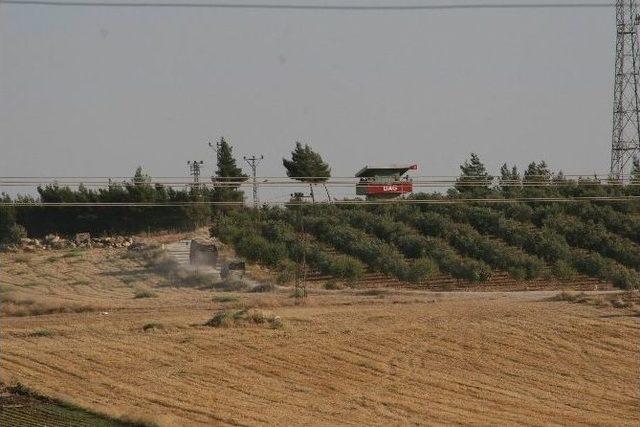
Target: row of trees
column 376, row 253
column 412, row 245
column 544, row 242
column 182, row 214
column 305, row 165
column 466, row 240
column 594, row 237
column 38, row 220
column 623, row 224
column 416, row 246
column 276, row 244
column 537, row 180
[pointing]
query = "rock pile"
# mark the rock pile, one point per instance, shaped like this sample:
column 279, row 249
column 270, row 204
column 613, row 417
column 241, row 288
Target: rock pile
column 81, row 240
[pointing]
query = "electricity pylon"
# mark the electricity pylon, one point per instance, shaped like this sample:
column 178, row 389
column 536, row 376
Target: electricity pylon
column 253, row 164
column 625, row 143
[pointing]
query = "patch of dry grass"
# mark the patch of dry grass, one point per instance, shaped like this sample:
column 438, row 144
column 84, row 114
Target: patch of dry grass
column 226, row 298
column 617, row 300
column 16, row 306
column 144, row 293
column 21, row 258
column 343, row 357
column 244, row 317
column 40, row 333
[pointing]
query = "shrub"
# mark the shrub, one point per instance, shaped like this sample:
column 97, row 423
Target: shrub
column 331, row 285
column 590, row 263
column 562, row 270
column 14, row 234
column 153, row 326
column 517, row 273
column 623, row 278
column 411, row 245
column 221, row 318
column 299, row 293
column 380, row 293
column 10, row 232
column 256, row 248
column 570, row 297
column 144, row 293
column 286, row 271
column 226, row 298
column 421, row 269
column 263, row 287
column 620, row 303
column 244, row 317
column 40, row 333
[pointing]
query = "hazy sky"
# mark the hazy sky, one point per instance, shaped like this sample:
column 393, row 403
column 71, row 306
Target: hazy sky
column 94, row 91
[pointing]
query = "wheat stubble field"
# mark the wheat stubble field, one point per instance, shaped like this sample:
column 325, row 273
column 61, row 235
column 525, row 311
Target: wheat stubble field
column 73, row 329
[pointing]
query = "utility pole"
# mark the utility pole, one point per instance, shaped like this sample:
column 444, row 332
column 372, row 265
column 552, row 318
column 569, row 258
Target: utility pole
column 301, row 282
column 215, row 147
column 194, row 170
column 625, row 141
column 253, row 162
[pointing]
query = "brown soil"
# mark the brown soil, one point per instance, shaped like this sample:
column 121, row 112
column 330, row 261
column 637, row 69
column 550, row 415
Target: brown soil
column 343, row 357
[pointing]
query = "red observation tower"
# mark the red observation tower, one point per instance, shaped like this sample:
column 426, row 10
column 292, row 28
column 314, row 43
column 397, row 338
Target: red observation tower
column 384, row 181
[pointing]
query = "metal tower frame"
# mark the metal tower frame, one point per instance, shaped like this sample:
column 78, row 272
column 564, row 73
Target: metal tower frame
column 625, row 143
column 253, row 164
column 194, row 170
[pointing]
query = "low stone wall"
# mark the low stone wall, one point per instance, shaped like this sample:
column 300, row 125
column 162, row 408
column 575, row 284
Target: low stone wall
column 81, row 240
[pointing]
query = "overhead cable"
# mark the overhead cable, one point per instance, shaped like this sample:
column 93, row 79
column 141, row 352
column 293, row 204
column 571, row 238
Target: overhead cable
column 301, row 6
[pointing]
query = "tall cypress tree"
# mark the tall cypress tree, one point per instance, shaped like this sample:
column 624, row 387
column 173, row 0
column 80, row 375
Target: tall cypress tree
column 510, row 181
column 227, row 167
column 538, row 173
column 228, row 174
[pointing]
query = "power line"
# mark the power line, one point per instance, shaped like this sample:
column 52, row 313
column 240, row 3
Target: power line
column 600, row 175
column 446, row 201
column 346, row 185
column 467, row 181
column 293, row 6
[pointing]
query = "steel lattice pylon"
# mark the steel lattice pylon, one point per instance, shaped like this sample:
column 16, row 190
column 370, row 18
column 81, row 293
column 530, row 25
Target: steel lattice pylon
column 626, row 116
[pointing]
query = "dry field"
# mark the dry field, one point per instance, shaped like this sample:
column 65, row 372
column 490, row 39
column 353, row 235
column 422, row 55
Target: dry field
column 73, row 329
